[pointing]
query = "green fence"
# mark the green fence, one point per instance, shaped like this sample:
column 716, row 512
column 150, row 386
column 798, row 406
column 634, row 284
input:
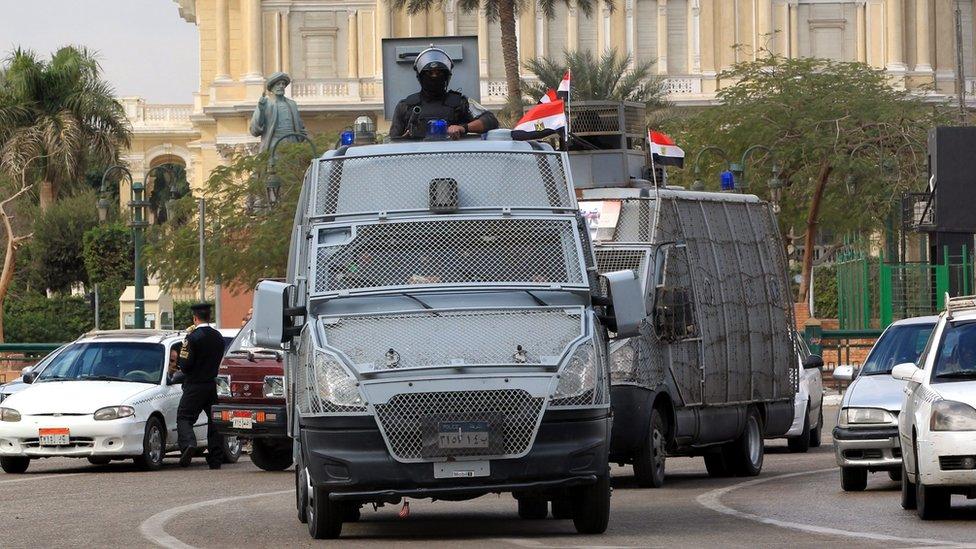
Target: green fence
column 839, row 347
column 856, row 278
column 14, row 356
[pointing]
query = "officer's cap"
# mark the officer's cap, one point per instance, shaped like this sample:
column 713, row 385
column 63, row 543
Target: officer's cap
column 201, row 308
column 433, row 58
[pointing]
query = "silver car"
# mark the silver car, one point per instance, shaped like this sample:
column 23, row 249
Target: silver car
column 866, row 435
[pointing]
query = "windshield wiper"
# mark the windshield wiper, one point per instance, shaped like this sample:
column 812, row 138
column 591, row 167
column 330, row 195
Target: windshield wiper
column 959, row 374
column 103, row 378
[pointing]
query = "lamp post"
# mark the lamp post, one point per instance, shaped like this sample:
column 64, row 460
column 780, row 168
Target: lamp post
column 698, row 185
column 775, row 183
column 273, row 186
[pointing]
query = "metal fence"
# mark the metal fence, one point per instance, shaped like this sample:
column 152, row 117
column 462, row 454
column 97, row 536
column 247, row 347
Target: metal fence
column 839, row 347
column 14, row 356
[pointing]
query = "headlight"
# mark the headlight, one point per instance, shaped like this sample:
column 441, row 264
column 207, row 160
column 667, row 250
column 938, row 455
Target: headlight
column 9, row 414
column 335, row 384
column 223, row 386
column 864, row 416
column 949, row 415
column 274, row 386
column 579, row 375
column 622, row 363
column 114, row 412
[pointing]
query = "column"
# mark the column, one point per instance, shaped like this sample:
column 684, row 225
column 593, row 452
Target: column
column 794, row 30
column 764, row 26
column 285, row 42
column 450, row 18
column 602, row 35
column 352, row 45
column 383, row 27
column 255, row 46
column 923, row 46
column 540, row 31
column 783, row 36
column 223, row 42
column 572, row 28
column 694, row 37
column 662, row 36
column 483, row 44
column 895, row 33
column 629, row 30
column 417, row 24
column 860, row 34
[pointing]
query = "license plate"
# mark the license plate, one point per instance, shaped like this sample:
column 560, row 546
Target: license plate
column 462, row 434
column 54, row 437
column 242, row 422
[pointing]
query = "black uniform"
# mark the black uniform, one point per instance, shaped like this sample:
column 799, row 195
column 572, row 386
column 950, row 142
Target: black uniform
column 199, row 361
column 452, row 106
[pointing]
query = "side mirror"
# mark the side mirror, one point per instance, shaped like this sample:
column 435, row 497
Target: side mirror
column 30, row 377
column 273, row 317
column 25, row 370
column 673, row 316
column 907, row 371
column 844, row 372
column 813, row 361
column 626, row 301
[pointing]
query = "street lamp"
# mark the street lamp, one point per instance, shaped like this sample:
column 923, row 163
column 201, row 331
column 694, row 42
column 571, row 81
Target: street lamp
column 273, row 185
column 698, row 185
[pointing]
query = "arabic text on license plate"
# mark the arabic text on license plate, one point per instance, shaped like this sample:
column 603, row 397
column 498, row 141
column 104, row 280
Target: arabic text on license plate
column 54, row 437
column 242, row 422
column 463, row 434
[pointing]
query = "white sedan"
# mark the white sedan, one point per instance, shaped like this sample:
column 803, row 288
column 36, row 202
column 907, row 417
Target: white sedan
column 105, row 396
column 937, row 425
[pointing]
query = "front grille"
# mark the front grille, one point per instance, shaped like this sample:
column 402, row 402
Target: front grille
column 73, row 442
column 411, row 422
column 863, row 454
column 957, row 463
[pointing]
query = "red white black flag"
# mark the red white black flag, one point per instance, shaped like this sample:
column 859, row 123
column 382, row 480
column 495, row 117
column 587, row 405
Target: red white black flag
column 563, row 90
column 549, row 96
column 664, row 151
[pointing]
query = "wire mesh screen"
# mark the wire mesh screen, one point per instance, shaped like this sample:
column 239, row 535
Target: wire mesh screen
column 602, row 118
column 610, row 259
column 449, row 251
column 412, row 423
column 421, row 339
column 402, row 182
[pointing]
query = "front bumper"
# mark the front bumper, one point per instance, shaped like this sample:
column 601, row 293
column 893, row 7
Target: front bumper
column 87, row 437
column 273, row 425
column 939, row 454
column 872, row 447
column 348, row 457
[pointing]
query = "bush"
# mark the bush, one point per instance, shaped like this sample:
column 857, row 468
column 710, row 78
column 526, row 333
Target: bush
column 182, row 315
column 33, row 318
column 57, row 247
column 107, row 251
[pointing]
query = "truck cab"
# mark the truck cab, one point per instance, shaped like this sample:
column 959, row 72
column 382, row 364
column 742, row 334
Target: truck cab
column 440, row 333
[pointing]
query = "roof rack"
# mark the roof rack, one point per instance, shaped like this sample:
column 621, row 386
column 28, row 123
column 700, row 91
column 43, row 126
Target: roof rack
column 959, row 303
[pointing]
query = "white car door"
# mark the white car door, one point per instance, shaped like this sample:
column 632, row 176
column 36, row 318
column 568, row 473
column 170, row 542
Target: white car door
column 170, row 403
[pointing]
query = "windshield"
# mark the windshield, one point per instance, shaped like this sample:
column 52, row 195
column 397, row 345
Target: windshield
column 957, row 354
column 244, row 339
column 107, row 361
column 899, row 344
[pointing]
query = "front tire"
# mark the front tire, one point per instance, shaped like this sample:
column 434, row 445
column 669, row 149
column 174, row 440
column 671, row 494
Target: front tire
column 153, row 446
column 800, row 444
column 533, row 508
column 932, row 502
column 908, row 501
column 562, row 509
column 650, row 461
column 14, row 465
column 301, row 494
column 591, row 507
column 853, row 479
column 270, row 455
column 324, row 516
column 816, row 437
column 232, row 449
column 716, row 465
column 99, row 460
column 746, row 453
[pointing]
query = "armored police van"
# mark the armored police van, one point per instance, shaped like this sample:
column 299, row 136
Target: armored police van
column 713, row 370
column 441, row 334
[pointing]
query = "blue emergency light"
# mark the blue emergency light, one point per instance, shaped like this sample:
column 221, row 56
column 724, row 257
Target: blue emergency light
column 728, row 181
column 437, row 129
column 347, row 137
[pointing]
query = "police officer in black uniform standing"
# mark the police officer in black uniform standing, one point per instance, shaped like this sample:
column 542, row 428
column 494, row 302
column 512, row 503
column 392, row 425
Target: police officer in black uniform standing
column 200, row 356
column 434, row 101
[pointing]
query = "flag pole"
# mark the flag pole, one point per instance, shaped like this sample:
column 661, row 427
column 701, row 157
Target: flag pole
column 657, row 188
column 569, row 106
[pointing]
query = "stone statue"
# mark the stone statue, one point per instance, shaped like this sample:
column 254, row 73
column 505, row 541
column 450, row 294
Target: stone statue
column 276, row 115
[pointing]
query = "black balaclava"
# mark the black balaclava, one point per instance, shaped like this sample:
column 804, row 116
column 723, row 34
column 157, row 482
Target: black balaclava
column 434, row 85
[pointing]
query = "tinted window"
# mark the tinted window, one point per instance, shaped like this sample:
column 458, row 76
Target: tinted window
column 957, row 352
column 108, row 361
column 899, row 344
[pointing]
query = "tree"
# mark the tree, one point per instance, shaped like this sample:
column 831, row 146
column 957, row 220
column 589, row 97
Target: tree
column 108, row 259
column 841, row 133
column 608, row 78
column 505, row 12
column 56, row 117
column 13, row 241
column 58, row 241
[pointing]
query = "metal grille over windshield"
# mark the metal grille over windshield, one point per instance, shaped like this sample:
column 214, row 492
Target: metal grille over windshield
column 452, row 251
column 417, row 340
column 401, row 182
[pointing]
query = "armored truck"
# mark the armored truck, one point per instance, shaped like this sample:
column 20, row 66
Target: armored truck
column 444, row 337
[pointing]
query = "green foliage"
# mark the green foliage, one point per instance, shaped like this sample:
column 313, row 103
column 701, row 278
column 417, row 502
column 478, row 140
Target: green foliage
column 33, row 318
column 825, row 291
column 57, row 248
column 182, row 315
column 246, row 240
column 607, row 78
column 107, row 253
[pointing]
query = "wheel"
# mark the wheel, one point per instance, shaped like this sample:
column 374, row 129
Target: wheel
column 153, row 446
column 14, row 465
column 815, row 434
column 324, row 516
column 270, row 454
column 895, row 475
column 562, row 509
column 931, row 502
column 533, row 508
column 853, row 479
column 907, row 491
column 591, row 507
column 716, row 465
column 650, row 461
column 99, row 460
column 801, row 442
column 351, row 513
column 745, row 454
column 232, row 449
column 301, row 495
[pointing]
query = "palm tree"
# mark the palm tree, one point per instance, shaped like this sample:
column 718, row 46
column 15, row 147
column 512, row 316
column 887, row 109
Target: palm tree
column 56, row 117
column 505, row 12
column 608, row 78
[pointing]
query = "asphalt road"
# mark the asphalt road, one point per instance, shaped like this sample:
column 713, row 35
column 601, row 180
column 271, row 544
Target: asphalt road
column 795, row 502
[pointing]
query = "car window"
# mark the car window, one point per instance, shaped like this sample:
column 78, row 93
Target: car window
column 244, row 339
column 898, row 344
column 957, row 353
column 107, row 361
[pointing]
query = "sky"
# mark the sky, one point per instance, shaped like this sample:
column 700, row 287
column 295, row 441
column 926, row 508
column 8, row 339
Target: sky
column 145, row 48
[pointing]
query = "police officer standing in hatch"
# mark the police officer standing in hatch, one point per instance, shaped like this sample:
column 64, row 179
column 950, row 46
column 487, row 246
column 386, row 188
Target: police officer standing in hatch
column 434, row 101
column 200, row 356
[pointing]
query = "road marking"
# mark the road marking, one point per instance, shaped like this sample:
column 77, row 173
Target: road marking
column 25, row 479
column 154, row 527
column 712, row 500
column 539, row 545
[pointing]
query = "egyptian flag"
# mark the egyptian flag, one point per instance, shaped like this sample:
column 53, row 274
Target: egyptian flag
column 541, row 121
column 563, row 90
column 664, row 151
column 549, row 96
